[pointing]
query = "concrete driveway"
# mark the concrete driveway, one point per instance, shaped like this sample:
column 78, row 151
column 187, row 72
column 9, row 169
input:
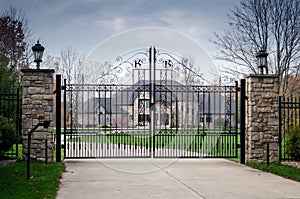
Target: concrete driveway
column 169, row 178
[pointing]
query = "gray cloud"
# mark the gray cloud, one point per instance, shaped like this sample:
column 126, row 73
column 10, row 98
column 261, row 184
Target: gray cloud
column 82, row 24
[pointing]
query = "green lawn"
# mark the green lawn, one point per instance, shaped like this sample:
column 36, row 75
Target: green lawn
column 12, row 151
column 209, row 144
column 284, row 154
column 275, row 168
column 238, row 158
column 43, row 184
column 278, row 169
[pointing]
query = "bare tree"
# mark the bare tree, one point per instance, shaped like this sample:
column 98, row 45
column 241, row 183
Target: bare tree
column 71, row 64
column 191, row 75
column 105, row 72
column 77, row 70
column 51, row 61
column 271, row 25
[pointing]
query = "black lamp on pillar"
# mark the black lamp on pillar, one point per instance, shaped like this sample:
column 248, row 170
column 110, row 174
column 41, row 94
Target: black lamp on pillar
column 262, row 63
column 38, row 51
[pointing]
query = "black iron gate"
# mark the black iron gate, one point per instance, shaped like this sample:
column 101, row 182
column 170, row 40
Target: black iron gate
column 10, row 108
column 160, row 114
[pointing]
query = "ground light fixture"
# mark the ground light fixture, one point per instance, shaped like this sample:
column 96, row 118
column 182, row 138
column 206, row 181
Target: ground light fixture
column 44, row 124
column 38, row 51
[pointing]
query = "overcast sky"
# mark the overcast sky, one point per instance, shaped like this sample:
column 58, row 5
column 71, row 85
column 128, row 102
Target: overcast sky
column 82, row 24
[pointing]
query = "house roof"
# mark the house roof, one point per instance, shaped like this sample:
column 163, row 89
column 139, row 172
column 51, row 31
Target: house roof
column 93, row 104
column 164, row 90
column 208, row 101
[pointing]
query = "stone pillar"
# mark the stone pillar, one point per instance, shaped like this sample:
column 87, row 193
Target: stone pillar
column 262, row 118
column 37, row 106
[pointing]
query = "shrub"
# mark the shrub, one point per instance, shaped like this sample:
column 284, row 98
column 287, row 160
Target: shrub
column 293, row 143
column 105, row 126
column 7, row 134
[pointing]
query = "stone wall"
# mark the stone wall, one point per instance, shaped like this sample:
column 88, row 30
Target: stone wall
column 37, row 106
column 262, row 118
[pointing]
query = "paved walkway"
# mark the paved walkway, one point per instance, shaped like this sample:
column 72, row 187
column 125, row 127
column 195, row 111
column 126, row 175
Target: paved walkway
column 169, row 178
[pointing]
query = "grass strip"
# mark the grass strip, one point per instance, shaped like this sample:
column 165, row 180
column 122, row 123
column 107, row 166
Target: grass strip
column 278, row 169
column 44, row 182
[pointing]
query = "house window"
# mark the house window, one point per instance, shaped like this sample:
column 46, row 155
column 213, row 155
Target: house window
column 144, row 103
column 201, row 119
column 101, row 118
column 143, row 119
column 208, row 118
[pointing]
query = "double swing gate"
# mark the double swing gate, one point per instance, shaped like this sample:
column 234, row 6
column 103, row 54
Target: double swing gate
column 158, row 115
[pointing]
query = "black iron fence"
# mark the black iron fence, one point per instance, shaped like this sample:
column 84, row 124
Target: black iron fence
column 10, row 108
column 289, row 118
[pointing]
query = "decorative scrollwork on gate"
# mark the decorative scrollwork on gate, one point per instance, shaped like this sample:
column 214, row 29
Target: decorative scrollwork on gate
column 178, row 67
column 130, row 62
column 123, row 68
